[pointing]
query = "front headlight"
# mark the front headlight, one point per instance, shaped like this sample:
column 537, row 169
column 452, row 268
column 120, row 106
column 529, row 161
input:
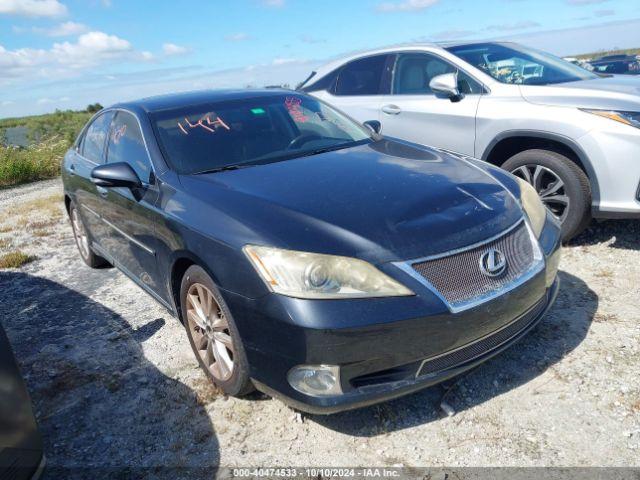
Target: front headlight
column 628, row 118
column 314, row 275
column 533, row 206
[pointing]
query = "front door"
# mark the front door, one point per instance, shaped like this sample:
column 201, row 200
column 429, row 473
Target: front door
column 129, row 214
column 413, row 112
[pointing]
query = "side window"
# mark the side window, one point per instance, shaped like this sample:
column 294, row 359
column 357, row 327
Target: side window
column 127, row 145
column 93, row 143
column 361, row 77
column 325, row 83
column 413, row 73
column 468, row 85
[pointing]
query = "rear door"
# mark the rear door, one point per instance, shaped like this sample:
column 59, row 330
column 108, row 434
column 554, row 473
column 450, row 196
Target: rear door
column 357, row 87
column 413, row 112
column 130, row 215
column 79, row 162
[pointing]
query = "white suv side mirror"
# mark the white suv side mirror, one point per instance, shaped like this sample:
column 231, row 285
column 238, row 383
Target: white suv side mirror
column 447, row 85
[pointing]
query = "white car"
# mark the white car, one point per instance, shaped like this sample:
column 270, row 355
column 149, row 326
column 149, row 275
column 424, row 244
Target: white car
column 574, row 135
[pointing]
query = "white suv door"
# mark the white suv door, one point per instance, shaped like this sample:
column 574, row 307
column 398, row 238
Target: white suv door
column 413, row 112
column 356, row 87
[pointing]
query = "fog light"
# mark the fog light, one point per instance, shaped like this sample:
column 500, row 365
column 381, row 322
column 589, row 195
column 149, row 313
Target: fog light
column 316, row 380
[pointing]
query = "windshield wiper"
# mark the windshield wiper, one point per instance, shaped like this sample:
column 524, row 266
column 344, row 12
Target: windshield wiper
column 331, row 148
column 224, row 168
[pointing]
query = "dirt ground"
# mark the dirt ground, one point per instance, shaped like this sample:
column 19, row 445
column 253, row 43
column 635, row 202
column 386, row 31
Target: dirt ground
column 114, row 382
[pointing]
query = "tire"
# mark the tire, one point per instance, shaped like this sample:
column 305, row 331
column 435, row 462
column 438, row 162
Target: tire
column 542, row 168
column 83, row 240
column 213, row 336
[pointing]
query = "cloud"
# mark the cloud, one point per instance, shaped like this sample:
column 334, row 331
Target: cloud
column 308, row 39
column 90, row 49
column 284, row 61
column 577, row 3
column 451, row 34
column 65, row 29
column 406, row 5
column 583, row 39
column 170, row 49
column 237, row 37
column 505, row 27
column 46, row 100
column 6, row 103
column 33, row 8
column 95, row 87
column 273, row 3
column 604, row 13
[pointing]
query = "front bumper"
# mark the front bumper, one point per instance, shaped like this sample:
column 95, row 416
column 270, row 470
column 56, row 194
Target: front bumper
column 385, row 347
column 414, row 374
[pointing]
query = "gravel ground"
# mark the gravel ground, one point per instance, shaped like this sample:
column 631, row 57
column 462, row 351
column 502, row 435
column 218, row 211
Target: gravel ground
column 114, row 382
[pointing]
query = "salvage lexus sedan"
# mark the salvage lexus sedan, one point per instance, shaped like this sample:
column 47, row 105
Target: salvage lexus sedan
column 306, row 255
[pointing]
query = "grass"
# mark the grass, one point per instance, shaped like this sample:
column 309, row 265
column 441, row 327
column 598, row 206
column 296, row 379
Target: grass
column 48, row 207
column 15, row 259
column 50, row 136
column 38, row 162
column 62, row 124
column 42, row 224
column 37, row 216
column 40, row 233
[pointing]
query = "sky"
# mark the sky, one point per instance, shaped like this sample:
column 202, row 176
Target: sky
column 66, row 54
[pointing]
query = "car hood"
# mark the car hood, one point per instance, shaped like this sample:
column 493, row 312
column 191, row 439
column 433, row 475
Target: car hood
column 618, row 92
column 384, row 201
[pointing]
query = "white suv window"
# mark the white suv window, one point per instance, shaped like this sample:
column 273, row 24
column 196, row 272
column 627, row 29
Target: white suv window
column 414, row 71
column 361, row 77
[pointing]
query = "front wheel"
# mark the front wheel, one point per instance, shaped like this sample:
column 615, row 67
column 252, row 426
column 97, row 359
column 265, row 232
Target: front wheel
column 212, row 333
column 563, row 187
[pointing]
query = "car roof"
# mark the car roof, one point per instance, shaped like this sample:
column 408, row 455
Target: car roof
column 186, row 99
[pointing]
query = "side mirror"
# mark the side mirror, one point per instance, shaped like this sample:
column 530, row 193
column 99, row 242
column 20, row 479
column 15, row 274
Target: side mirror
column 446, row 85
column 374, row 125
column 115, row 175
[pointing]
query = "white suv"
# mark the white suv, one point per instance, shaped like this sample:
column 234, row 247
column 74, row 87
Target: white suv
column 571, row 133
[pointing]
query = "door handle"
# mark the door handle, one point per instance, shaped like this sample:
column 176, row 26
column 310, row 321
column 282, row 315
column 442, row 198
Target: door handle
column 391, row 109
column 72, row 169
column 102, row 191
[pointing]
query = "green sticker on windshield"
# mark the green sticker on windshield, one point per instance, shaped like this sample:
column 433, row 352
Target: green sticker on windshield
column 258, row 111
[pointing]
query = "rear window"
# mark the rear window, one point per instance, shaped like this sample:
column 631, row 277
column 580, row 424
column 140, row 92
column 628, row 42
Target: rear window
column 93, row 143
column 361, row 77
column 200, row 138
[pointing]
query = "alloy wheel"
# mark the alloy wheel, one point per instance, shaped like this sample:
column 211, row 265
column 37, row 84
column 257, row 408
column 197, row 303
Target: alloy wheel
column 549, row 186
column 80, row 234
column 210, row 332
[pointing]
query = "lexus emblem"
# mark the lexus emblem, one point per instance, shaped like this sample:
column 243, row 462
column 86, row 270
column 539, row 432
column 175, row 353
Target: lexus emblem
column 493, row 263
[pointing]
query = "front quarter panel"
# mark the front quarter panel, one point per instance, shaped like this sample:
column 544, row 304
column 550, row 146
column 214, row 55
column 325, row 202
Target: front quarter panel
column 195, row 230
column 504, row 110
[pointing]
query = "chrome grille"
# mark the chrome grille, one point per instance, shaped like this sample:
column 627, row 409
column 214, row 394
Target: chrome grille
column 458, row 277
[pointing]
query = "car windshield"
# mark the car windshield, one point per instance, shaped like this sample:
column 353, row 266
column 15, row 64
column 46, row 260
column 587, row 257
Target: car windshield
column 263, row 129
column 519, row 65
